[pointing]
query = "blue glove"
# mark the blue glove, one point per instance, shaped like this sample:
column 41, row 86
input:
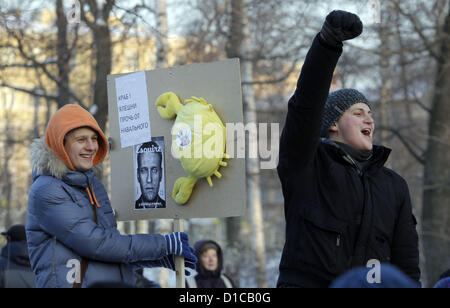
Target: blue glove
column 178, row 244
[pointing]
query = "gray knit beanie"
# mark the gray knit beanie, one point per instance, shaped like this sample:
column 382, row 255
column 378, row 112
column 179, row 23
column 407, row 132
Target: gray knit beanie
column 337, row 103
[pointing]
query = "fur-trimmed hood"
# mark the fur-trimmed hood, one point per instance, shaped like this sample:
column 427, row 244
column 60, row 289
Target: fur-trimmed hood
column 45, row 161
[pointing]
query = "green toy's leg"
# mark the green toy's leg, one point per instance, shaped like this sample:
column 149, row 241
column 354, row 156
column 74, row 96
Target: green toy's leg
column 182, row 189
column 198, row 100
column 168, row 105
column 216, row 172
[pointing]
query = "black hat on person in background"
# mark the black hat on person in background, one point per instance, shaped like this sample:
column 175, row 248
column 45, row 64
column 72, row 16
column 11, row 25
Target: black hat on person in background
column 337, row 103
column 16, row 233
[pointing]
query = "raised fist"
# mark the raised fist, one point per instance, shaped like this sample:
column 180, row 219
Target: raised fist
column 340, row 26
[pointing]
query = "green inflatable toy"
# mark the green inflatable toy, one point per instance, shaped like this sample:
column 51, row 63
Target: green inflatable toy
column 198, row 140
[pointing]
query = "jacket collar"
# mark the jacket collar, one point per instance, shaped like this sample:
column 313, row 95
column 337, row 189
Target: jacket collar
column 380, row 155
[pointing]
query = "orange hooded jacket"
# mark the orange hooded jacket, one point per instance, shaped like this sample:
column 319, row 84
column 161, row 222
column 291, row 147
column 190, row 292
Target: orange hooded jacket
column 67, row 118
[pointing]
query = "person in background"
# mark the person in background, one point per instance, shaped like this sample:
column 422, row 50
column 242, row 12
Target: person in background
column 444, row 281
column 209, row 267
column 15, row 269
column 389, row 277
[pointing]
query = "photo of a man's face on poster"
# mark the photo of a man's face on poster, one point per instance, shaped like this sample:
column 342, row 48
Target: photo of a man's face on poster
column 150, row 190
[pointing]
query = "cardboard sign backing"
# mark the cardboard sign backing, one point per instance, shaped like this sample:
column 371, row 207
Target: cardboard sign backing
column 219, row 83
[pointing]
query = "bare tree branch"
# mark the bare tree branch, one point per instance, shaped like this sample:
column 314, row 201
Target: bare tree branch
column 275, row 80
column 419, row 30
column 43, row 66
column 28, row 91
column 418, row 156
column 24, row 65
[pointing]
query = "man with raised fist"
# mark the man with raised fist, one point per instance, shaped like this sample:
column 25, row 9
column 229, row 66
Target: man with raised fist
column 343, row 208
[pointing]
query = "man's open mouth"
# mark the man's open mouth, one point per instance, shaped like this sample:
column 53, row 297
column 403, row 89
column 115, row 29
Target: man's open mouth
column 366, row 132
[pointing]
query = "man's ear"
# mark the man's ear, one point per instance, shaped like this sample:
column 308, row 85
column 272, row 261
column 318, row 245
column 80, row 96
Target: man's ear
column 333, row 128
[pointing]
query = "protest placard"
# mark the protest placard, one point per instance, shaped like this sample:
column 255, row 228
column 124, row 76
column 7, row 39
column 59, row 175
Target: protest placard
column 137, row 195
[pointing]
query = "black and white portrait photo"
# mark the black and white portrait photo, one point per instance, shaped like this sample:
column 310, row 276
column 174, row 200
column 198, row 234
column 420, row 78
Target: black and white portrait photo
column 150, row 190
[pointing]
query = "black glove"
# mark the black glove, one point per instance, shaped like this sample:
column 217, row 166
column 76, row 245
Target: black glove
column 340, row 26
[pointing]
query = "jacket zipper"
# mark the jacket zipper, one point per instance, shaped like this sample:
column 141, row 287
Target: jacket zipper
column 338, row 240
column 355, row 165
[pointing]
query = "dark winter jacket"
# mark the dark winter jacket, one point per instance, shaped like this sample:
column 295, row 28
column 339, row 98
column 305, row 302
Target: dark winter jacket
column 337, row 215
column 204, row 277
column 15, row 269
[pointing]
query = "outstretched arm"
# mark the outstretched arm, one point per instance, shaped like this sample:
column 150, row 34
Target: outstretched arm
column 301, row 134
column 59, row 216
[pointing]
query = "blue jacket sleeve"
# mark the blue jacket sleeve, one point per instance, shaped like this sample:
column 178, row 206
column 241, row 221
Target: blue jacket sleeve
column 73, row 225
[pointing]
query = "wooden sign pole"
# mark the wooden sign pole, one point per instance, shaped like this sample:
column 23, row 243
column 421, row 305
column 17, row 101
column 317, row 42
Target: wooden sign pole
column 178, row 225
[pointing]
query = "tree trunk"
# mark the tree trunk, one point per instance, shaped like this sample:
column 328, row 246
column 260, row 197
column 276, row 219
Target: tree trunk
column 239, row 45
column 253, row 170
column 162, row 46
column 103, row 55
column 233, row 224
column 37, row 103
column 162, row 226
column 63, row 56
column 436, row 191
column 386, row 82
column 8, row 153
column 103, row 51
